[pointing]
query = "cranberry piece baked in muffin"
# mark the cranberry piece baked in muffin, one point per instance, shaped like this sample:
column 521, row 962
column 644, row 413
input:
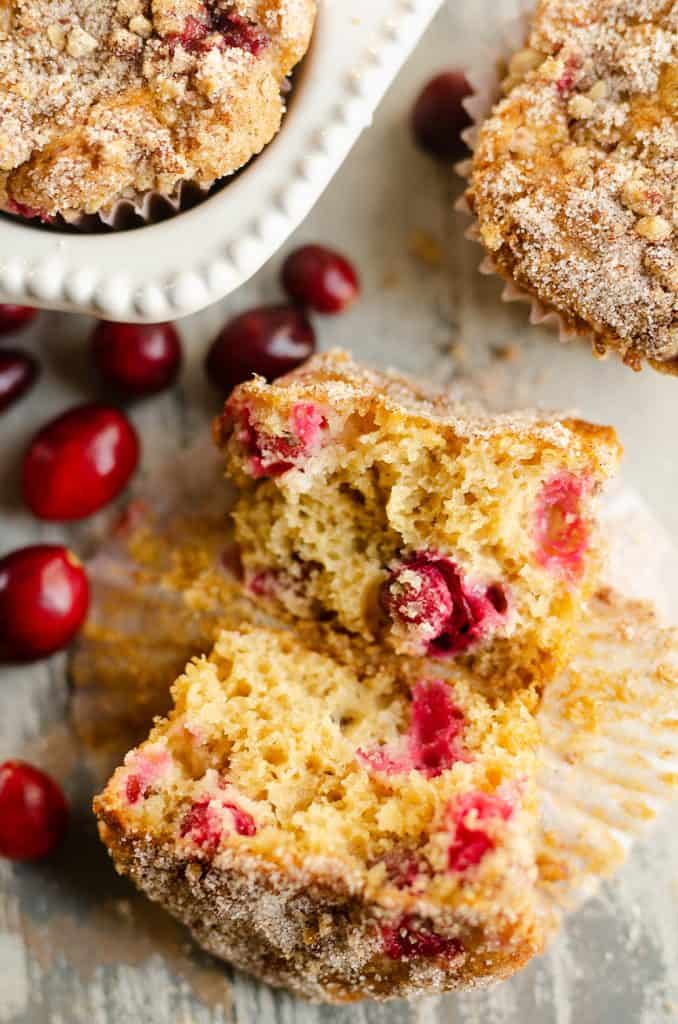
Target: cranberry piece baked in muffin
column 574, row 174
column 404, row 517
column 111, row 99
column 336, row 820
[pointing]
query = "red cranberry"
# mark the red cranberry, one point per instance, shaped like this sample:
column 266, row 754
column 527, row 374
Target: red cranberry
column 33, row 812
column 429, row 597
column 418, row 594
column 203, row 823
column 133, row 789
column 269, row 341
column 28, row 212
column 148, row 768
column 320, row 279
column 136, row 359
column 435, row 728
column 438, row 117
column 232, row 31
column 271, row 456
column 192, row 37
column 433, row 741
column 44, row 596
column 407, row 939
column 18, row 371
column 566, row 82
column 561, row 532
column 238, row 32
column 79, row 462
column 470, row 842
column 13, row 318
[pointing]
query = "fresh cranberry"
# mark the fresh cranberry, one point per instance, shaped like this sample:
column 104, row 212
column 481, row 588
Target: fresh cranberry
column 441, row 614
column 136, row 359
column 13, row 318
column 33, row 812
column 439, row 117
column 79, row 462
column 321, row 279
column 269, row 341
column 470, row 842
column 406, row 940
column 44, row 596
column 433, row 739
column 561, row 532
column 271, row 456
column 18, row 371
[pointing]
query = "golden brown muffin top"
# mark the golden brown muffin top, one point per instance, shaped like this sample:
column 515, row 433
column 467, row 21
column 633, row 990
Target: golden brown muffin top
column 105, row 98
column 574, row 180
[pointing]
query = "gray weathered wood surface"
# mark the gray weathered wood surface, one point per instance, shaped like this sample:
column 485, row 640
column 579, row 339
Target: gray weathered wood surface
column 77, row 946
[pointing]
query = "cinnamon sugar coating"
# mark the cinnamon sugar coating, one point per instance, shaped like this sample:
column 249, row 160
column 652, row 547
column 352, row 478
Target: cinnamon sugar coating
column 254, row 814
column 104, row 99
column 331, row 924
column 574, row 182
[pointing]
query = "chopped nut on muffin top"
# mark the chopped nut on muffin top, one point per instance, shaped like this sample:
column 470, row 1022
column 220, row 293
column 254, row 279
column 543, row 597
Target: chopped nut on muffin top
column 574, row 181
column 100, row 99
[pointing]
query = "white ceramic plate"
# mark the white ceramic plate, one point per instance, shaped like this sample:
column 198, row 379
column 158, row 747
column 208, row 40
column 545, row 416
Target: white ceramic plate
column 168, row 270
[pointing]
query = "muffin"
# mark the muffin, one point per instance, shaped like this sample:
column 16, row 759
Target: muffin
column 573, row 182
column 436, row 529
column 106, row 101
column 335, row 820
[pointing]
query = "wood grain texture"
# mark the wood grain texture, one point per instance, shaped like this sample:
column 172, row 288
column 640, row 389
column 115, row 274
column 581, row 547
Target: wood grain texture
column 77, row 945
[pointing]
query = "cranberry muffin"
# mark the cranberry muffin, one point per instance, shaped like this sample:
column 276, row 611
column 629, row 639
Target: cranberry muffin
column 336, row 821
column 397, row 514
column 108, row 100
column 574, row 184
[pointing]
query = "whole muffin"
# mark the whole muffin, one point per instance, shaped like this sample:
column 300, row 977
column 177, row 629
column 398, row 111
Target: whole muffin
column 574, row 183
column 103, row 101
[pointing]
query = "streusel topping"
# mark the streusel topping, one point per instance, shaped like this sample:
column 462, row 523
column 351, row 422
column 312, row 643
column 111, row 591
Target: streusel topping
column 100, row 99
column 574, row 181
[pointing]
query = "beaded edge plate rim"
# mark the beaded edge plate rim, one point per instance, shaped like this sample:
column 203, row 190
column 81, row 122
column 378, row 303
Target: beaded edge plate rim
column 180, row 266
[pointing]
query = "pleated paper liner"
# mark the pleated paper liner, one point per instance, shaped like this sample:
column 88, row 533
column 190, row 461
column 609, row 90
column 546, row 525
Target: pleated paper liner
column 485, row 79
column 138, row 210
column 167, row 579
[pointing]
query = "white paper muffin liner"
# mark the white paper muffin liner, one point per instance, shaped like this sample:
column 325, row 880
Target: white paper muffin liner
column 485, row 79
column 609, row 754
column 137, row 210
